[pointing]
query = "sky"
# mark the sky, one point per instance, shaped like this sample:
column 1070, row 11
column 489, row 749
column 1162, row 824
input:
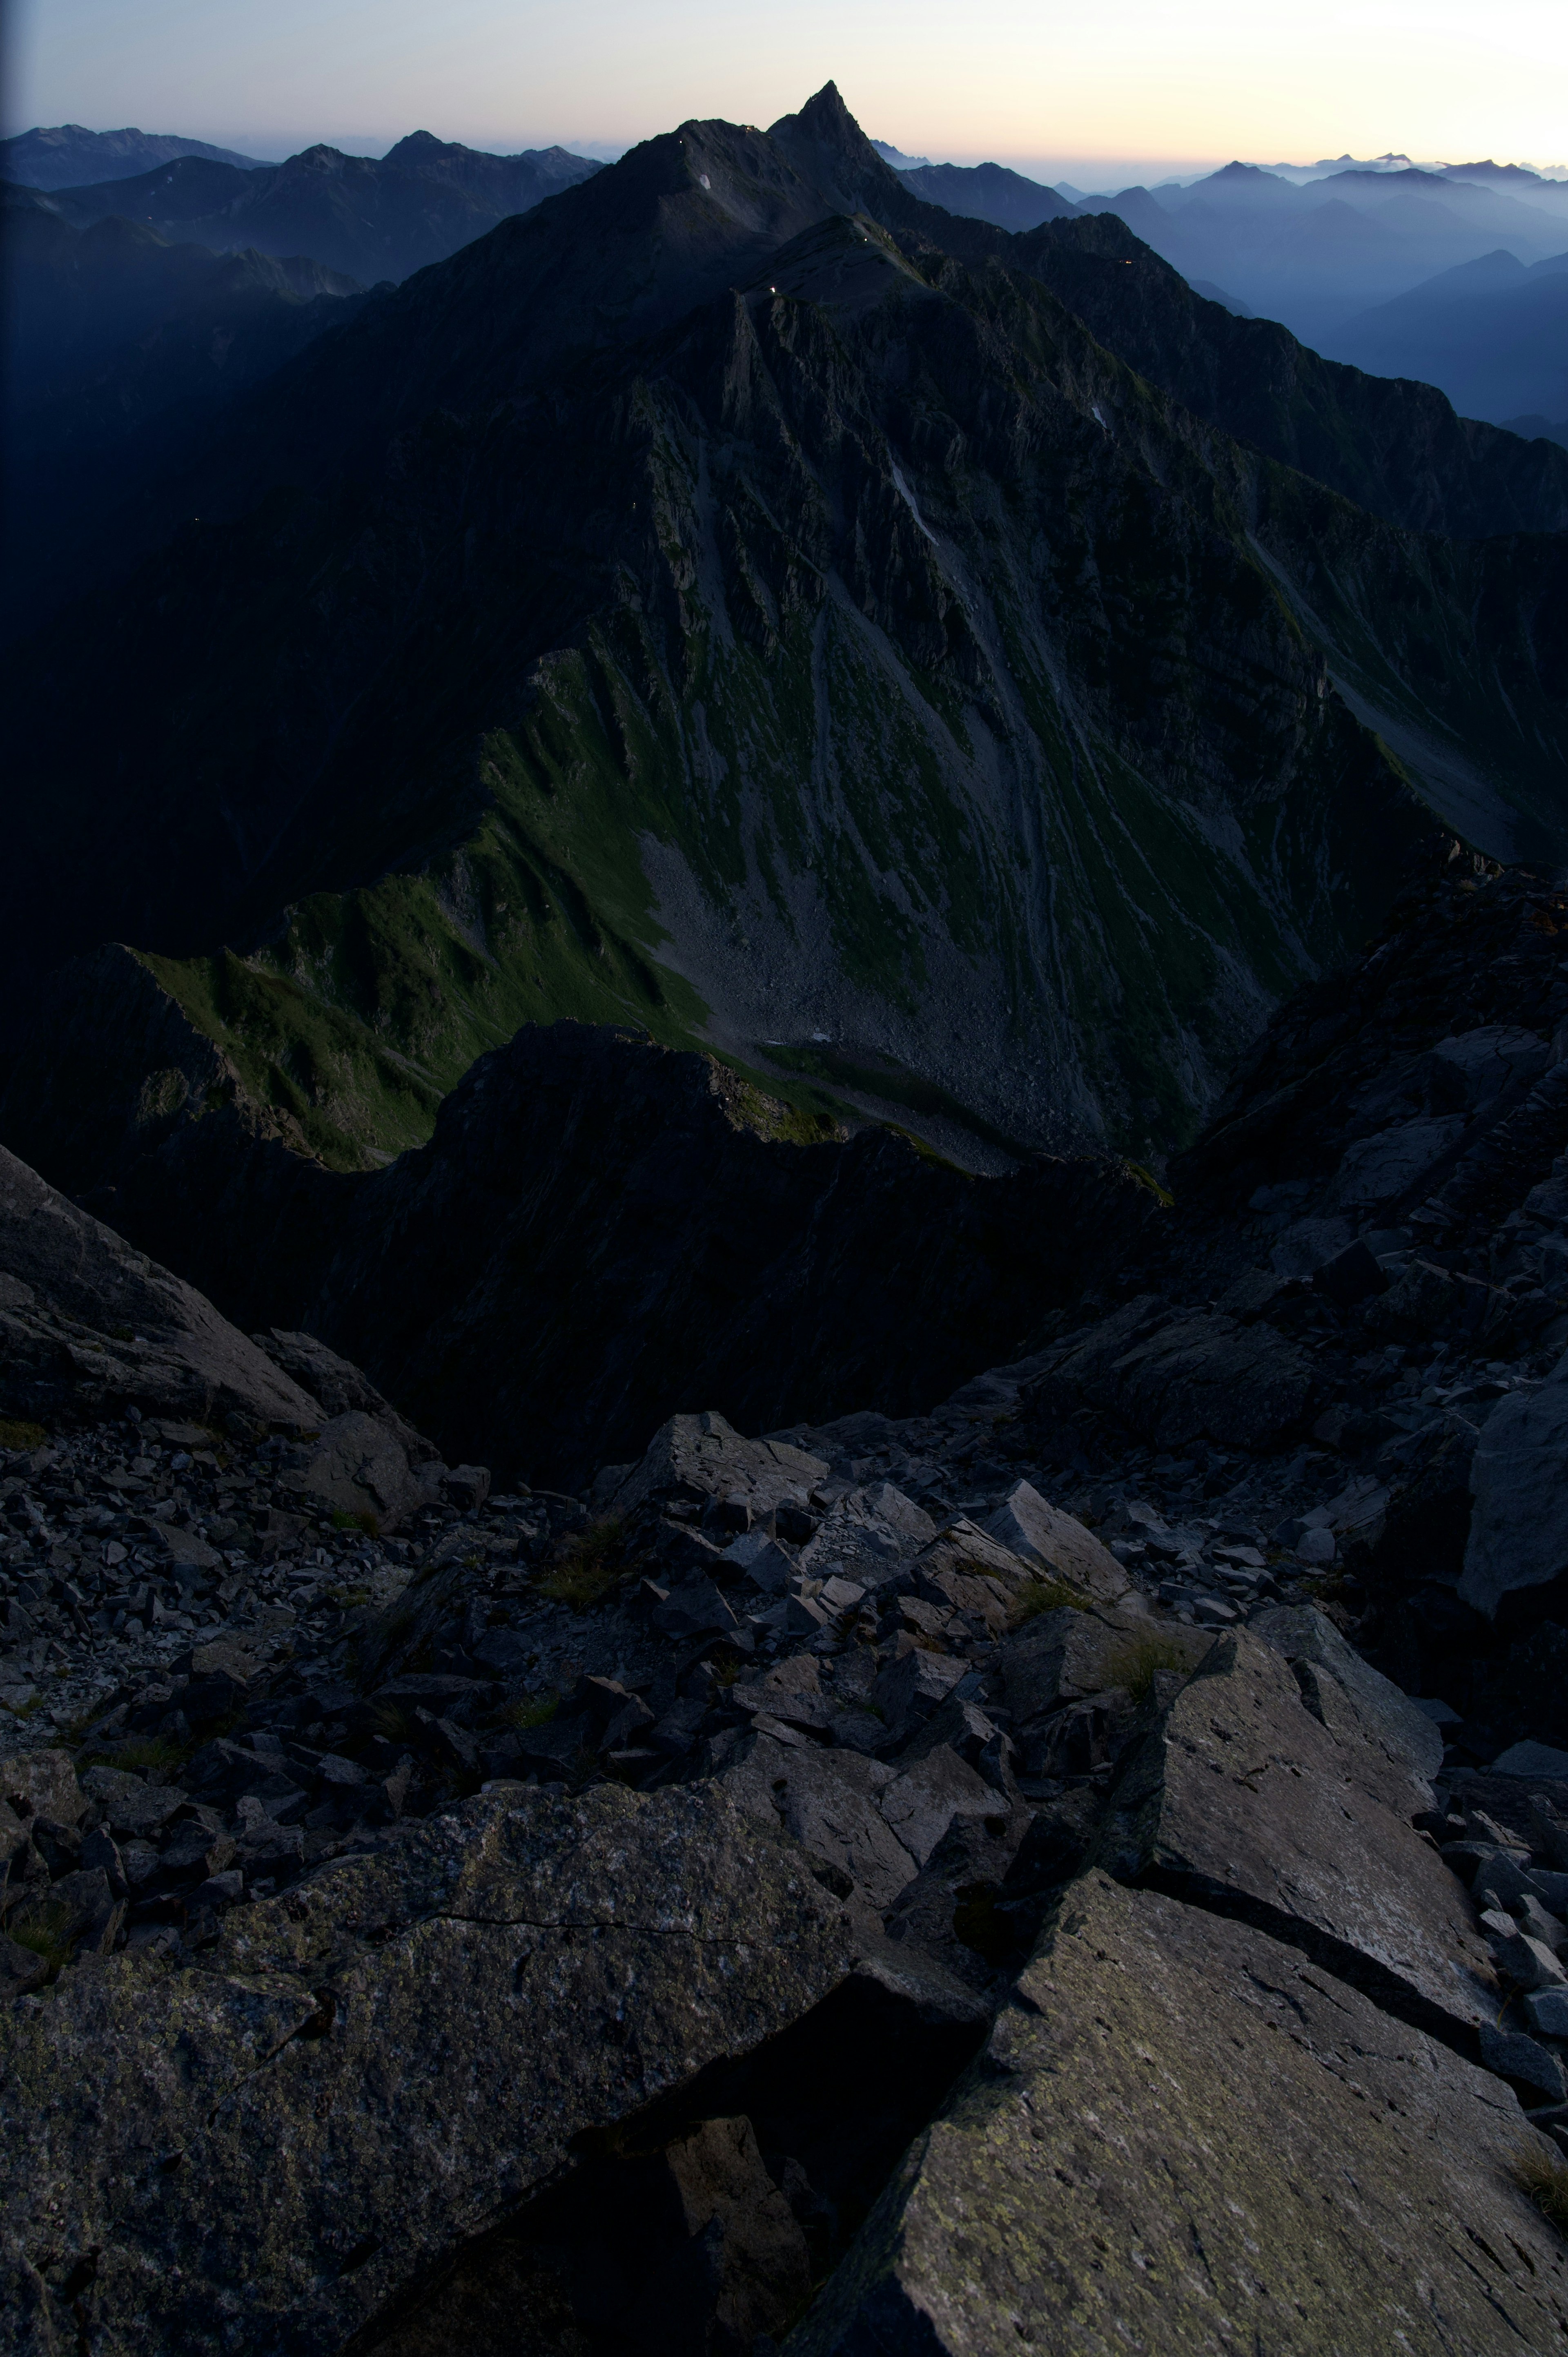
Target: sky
column 1096, row 94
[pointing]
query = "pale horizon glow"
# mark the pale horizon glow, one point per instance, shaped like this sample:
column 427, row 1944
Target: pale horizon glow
column 1166, row 90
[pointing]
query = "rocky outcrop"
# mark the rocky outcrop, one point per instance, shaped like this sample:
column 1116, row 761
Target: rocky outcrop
column 1183, row 2134
column 296, row 2134
column 89, row 1326
column 1246, row 1801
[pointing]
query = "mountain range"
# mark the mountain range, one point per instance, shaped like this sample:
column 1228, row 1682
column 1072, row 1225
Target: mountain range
column 373, row 218
column 1493, row 333
column 959, row 677
column 1320, row 256
column 65, row 155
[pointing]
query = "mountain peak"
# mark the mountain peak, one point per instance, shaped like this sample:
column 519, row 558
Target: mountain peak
column 828, row 121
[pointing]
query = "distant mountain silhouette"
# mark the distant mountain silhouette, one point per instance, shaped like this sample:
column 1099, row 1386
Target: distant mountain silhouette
column 68, row 157
column 987, row 192
column 1493, row 333
column 1314, row 255
column 375, row 218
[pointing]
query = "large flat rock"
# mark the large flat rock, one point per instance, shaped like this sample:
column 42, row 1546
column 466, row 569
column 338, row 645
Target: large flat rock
column 1183, row 2137
column 1241, row 1798
column 262, row 2154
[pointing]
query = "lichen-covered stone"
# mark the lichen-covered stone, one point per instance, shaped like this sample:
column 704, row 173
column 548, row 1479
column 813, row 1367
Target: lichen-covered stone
column 1183, row 2137
column 258, row 2154
column 1240, row 1798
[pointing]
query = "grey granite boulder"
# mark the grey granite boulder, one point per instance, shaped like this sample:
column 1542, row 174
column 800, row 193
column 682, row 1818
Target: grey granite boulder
column 1410, row 1738
column 1061, row 1657
column 1056, row 1545
column 89, row 1327
column 1518, row 1478
column 1182, row 2135
column 1240, row 1797
column 359, row 1466
column 261, row 2154
column 828, row 1802
column 702, row 1456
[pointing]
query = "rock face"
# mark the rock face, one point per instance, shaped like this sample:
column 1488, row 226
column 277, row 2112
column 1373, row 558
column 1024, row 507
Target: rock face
column 88, row 1325
column 356, row 2082
column 1519, row 1478
column 1243, row 1797
column 1138, row 2162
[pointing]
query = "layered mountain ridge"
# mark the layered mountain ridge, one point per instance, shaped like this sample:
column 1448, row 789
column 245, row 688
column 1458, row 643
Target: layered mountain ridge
column 740, row 599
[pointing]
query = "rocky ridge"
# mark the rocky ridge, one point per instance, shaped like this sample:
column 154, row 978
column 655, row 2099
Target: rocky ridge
column 1104, row 1902
column 755, row 649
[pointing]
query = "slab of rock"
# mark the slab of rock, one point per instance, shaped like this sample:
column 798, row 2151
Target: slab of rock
column 1389, row 1717
column 1177, row 1380
column 701, row 1457
column 1028, row 1526
column 1519, row 1480
column 828, row 1802
column 130, row 1805
column 264, row 2153
column 1380, row 1170
column 1061, row 1657
column 1241, row 1798
column 89, row 1327
column 1184, row 2136
column 358, row 1465
column 42, row 1784
column 922, row 1803
column 911, row 1687
column 339, row 1385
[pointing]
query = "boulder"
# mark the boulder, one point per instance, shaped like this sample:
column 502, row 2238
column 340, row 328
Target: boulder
column 1409, row 1738
column 910, row 1687
column 1062, row 1656
column 1519, row 1480
column 358, row 1465
column 1183, row 2135
column 267, row 2152
column 1240, row 1797
column 89, row 1327
column 1377, row 1172
column 702, row 1456
column 1055, row 1543
column 42, row 1784
column 922, row 1803
column 828, row 1800
column 338, row 1384
column 130, row 1805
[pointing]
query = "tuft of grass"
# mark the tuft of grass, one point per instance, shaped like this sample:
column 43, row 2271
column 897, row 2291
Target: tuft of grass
column 538, row 1710
column 48, row 1936
column 591, row 1563
column 391, row 1721
column 1039, row 1596
column 366, row 1523
column 1544, row 2181
column 1135, row 1665
column 25, row 1709
column 19, row 1435
column 345, row 1597
column 149, row 1752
